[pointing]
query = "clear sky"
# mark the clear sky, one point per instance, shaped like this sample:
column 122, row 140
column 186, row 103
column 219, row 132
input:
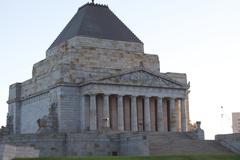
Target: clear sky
column 197, row 37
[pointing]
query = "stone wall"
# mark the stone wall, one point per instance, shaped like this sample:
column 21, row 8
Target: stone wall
column 8, row 152
column 33, row 109
column 84, row 42
column 82, row 144
column 134, row 144
column 126, row 144
column 69, row 109
column 92, row 144
column 77, row 62
column 48, row 145
column 27, row 111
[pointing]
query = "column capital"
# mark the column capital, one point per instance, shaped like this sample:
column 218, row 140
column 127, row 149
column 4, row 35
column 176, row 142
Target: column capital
column 183, row 99
column 147, row 97
column 92, row 94
column 180, row 98
column 172, row 98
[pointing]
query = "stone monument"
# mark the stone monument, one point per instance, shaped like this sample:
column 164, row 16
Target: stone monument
column 97, row 75
column 98, row 93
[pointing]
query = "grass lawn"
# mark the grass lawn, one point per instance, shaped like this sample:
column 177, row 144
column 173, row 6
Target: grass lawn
column 187, row 157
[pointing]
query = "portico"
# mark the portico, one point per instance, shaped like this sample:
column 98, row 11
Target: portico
column 138, row 113
column 133, row 107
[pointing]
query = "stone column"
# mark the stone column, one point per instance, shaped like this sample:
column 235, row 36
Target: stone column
column 134, row 113
column 147, row 119
column 183, row 116
column 160, row 120
column 173, row 116
column 120, row 113
column 93, row 113
column 82, row 113
column 106, row 115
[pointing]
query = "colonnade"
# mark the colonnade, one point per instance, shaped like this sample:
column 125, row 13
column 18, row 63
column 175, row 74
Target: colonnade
column 133, row 113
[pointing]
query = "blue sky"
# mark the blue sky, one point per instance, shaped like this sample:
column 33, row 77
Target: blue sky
column 200, row 38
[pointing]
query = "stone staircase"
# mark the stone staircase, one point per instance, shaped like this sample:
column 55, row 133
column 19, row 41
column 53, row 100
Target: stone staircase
column 181, row 144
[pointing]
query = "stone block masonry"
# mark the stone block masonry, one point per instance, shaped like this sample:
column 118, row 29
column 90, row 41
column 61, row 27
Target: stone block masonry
column 108, row 144
column 86, row 42
column 77, row 144
column 48, row 145
column 77, row 62
column 9, row 152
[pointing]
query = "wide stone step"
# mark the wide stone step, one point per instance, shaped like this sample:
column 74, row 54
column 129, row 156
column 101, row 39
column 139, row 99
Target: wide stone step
column 174, row 143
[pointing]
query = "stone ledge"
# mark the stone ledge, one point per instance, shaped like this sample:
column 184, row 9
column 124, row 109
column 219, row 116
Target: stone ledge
column 9, row 152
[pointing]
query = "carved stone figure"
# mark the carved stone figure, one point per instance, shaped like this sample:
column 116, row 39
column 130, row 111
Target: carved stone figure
column 9, row 127
column 3, row 131
column 142, row 77
column 199, row 133
column 10, row 124
column 49, row 123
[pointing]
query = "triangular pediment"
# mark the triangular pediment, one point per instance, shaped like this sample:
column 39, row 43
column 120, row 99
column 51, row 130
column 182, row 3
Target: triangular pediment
column 142, row 78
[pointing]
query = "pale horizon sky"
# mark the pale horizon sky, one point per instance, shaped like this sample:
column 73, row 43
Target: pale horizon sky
column 200, row 38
